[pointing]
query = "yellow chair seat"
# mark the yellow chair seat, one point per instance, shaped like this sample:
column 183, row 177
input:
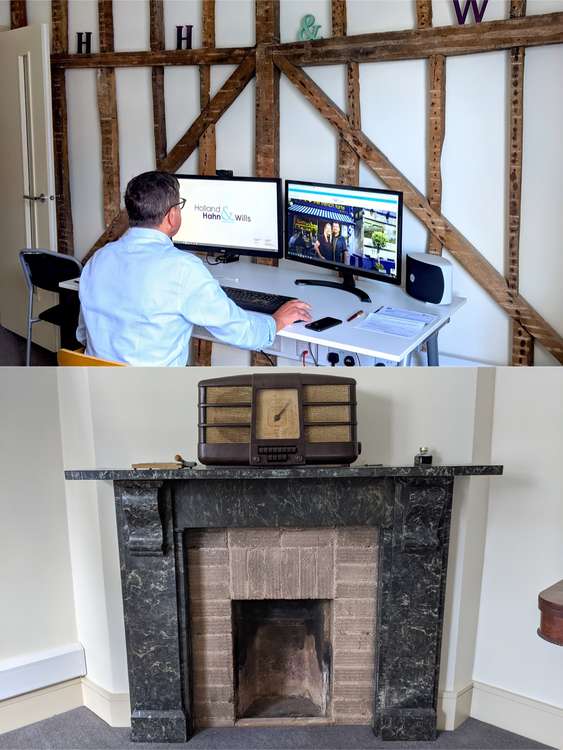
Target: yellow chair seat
column 69, row 358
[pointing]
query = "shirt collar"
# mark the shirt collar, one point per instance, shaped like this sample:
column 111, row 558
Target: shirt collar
column 147, row 233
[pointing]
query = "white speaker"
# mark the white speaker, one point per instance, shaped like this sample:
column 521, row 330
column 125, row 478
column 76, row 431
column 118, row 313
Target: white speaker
column 429, row 278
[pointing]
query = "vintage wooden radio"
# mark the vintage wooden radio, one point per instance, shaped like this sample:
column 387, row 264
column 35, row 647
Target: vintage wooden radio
column 267, row 419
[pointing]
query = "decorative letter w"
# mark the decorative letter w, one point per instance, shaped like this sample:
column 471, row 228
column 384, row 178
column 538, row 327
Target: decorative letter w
column 477, row 12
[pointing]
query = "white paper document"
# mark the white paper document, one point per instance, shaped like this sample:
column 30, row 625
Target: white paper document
column 396, row 322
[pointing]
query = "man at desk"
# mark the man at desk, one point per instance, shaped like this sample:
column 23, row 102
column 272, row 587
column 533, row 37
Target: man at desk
column 140, row 296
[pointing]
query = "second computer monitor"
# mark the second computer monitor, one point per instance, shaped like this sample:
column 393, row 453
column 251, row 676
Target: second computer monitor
column 348, row 229
column 232, row 215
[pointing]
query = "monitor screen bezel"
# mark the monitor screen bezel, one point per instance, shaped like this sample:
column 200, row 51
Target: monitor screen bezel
column 213, row 249
column 342, row 267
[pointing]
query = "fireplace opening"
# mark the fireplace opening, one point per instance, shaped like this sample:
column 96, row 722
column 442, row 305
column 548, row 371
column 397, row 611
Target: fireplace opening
column 282, row 658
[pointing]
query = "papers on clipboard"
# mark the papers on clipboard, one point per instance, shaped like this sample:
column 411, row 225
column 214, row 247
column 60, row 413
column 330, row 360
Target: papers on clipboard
column 396, row 322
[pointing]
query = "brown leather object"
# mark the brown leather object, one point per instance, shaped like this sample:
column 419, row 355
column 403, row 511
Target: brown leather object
column 550, row 602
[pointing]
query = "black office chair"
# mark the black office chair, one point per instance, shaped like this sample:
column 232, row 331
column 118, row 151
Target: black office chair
column 44, row 269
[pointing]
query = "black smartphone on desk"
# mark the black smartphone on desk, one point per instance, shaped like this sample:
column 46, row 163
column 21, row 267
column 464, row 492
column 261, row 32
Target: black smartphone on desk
column 323, row 323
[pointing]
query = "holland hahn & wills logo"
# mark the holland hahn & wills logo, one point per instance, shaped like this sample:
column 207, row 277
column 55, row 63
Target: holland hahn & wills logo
column 220, row 213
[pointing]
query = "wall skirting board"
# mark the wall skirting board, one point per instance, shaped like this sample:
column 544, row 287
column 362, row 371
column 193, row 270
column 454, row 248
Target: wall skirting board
column 40, row 704
column 454, row 707
column 515, row 713
column 531, row 718
column 113, row 708
column 41, row 684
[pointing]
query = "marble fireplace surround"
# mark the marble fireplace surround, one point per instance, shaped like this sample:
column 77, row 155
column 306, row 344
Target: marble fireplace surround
column 411, row 507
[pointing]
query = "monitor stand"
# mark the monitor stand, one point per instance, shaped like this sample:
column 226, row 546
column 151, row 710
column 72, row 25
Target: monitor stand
column 348, row 284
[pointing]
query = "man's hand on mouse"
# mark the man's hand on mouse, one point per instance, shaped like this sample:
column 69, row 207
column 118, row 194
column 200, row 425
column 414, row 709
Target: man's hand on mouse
column 291, row 312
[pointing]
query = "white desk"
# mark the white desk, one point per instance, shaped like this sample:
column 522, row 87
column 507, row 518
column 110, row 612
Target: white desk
column 336, row 303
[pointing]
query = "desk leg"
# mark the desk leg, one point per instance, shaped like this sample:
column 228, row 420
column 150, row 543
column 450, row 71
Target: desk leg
column 432, row 350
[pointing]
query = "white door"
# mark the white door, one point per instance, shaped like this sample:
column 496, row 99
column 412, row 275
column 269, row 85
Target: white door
column 26, row 169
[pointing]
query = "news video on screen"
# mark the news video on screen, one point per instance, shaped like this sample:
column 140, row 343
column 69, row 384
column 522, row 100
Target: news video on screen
column 357, row 228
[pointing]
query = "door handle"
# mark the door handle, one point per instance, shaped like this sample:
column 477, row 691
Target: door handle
column 41, row 198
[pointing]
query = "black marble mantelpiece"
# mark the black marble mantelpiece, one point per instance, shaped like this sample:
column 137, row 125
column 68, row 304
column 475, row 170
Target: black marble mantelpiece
column 411, row 507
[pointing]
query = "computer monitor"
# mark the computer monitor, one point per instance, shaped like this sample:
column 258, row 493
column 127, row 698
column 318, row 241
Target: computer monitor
column 231, row 215
column 353, row 230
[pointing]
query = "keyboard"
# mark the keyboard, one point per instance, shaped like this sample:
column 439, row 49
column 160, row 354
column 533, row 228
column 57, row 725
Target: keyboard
column 261, row 302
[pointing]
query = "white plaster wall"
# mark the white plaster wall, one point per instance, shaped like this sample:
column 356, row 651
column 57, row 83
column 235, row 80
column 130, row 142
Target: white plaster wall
column 142, row 415
column 37, row 607
column 523, row 553
column 393, row 105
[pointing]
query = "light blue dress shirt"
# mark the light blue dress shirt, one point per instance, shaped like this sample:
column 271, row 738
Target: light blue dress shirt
column 140, row 298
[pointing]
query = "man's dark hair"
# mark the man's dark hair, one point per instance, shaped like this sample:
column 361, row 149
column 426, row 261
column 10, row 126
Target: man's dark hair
column 149, row 197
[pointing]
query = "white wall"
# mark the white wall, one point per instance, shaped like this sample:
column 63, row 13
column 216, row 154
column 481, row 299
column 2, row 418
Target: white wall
column 524, row 554
column 35, row 577
column 393, row 105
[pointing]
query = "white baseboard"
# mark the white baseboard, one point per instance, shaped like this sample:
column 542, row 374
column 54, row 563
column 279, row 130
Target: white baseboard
column 24, row 674
column 454, row 707
column 113, row 708
column 531, row 718
column 40, row 704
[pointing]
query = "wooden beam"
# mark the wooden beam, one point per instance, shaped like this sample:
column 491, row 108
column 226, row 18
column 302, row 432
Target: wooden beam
column 146, row 59
column 348, row 164
column 522, row 342
column 435, row 138
column 156, row 15
column 267, row 150
column 267, row 138
column 423, row 14
column 436, row 87
column 414, row 44
column 59, row 43
column 451, row 238
column 257, row 359
column 222, row 100
column 207, row 151
column 107, row 108
column 202, row 351
column 18, row 14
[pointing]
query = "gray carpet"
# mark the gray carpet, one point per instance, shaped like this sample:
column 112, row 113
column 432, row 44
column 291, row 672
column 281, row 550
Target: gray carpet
column 82, row 730
column 12, row 351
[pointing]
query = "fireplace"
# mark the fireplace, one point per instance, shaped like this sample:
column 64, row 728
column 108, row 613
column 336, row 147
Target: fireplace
column 282, row 625
column 282, row 658
column 209, row 553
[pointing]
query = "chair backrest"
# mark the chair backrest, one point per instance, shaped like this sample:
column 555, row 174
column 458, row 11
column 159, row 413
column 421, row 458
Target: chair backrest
column 45, row 269
column 69, row 358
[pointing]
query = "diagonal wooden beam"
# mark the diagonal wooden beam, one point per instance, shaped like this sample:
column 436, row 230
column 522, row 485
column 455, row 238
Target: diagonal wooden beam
column 522, row 342
column 222, row 100
column 348, row 164
column 436, row 127
column 207, row 152
column 18, row 14
column 451, row 238
column 59, row 43
column 415, row 44
column 107, row 108
column 156, row 23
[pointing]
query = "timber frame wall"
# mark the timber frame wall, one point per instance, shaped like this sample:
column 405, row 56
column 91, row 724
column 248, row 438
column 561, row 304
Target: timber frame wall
column 265, row 61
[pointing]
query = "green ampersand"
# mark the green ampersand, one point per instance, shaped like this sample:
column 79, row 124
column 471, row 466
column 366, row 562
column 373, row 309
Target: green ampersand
column 309, row 30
